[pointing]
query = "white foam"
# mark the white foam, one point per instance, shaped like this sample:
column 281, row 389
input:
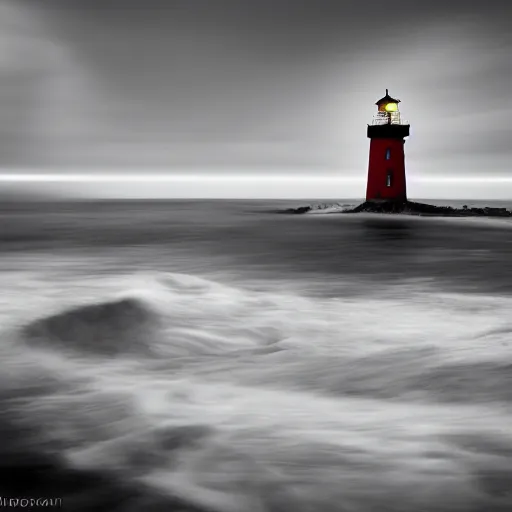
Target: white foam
column 292, row 402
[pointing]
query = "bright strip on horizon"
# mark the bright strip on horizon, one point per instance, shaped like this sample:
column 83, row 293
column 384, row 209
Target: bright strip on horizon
column 169, row 178
column 93, row 178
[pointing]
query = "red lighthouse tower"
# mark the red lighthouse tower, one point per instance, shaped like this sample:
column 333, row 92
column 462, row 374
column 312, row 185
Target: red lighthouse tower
column 386, row 168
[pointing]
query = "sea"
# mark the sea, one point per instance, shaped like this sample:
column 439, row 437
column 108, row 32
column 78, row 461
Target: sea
column 219, row 356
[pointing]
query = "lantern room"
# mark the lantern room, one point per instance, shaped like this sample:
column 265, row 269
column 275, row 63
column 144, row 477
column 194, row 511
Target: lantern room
column 387, row 111
column 387, row 103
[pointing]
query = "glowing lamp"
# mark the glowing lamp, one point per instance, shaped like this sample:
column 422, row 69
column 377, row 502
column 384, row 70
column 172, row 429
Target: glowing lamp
column 391, row 107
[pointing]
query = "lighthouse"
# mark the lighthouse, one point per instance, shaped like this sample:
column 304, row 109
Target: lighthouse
column 386, row 167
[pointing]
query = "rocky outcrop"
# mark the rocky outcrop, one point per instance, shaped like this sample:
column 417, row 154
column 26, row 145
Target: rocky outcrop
column 411, row 208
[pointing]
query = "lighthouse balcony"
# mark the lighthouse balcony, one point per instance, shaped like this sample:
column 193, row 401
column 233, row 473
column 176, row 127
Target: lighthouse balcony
column 381, row 118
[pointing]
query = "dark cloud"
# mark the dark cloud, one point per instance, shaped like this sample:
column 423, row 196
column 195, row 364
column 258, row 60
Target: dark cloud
column 239, row 86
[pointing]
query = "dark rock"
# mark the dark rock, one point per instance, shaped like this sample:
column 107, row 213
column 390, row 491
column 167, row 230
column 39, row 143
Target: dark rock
column 413, row 208
column 301, row 209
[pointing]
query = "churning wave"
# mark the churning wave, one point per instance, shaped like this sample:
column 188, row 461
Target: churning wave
column 173, row 392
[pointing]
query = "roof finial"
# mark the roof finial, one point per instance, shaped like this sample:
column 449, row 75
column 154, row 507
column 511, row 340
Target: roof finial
column 387, row 93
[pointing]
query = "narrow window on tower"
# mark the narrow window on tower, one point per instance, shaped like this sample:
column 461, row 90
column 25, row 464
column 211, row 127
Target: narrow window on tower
column 388, row 154
column 389, row 179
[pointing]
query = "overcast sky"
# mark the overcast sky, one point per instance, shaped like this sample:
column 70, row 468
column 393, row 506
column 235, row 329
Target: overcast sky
column 253, row 88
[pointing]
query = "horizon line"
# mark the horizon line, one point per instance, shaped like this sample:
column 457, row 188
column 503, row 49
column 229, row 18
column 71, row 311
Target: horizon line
column 156, row 177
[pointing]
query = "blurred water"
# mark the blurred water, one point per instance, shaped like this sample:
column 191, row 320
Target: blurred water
column 216, row 356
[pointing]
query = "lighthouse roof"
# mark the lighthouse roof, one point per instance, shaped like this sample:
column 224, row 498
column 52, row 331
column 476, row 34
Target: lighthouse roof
column 387, row 99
